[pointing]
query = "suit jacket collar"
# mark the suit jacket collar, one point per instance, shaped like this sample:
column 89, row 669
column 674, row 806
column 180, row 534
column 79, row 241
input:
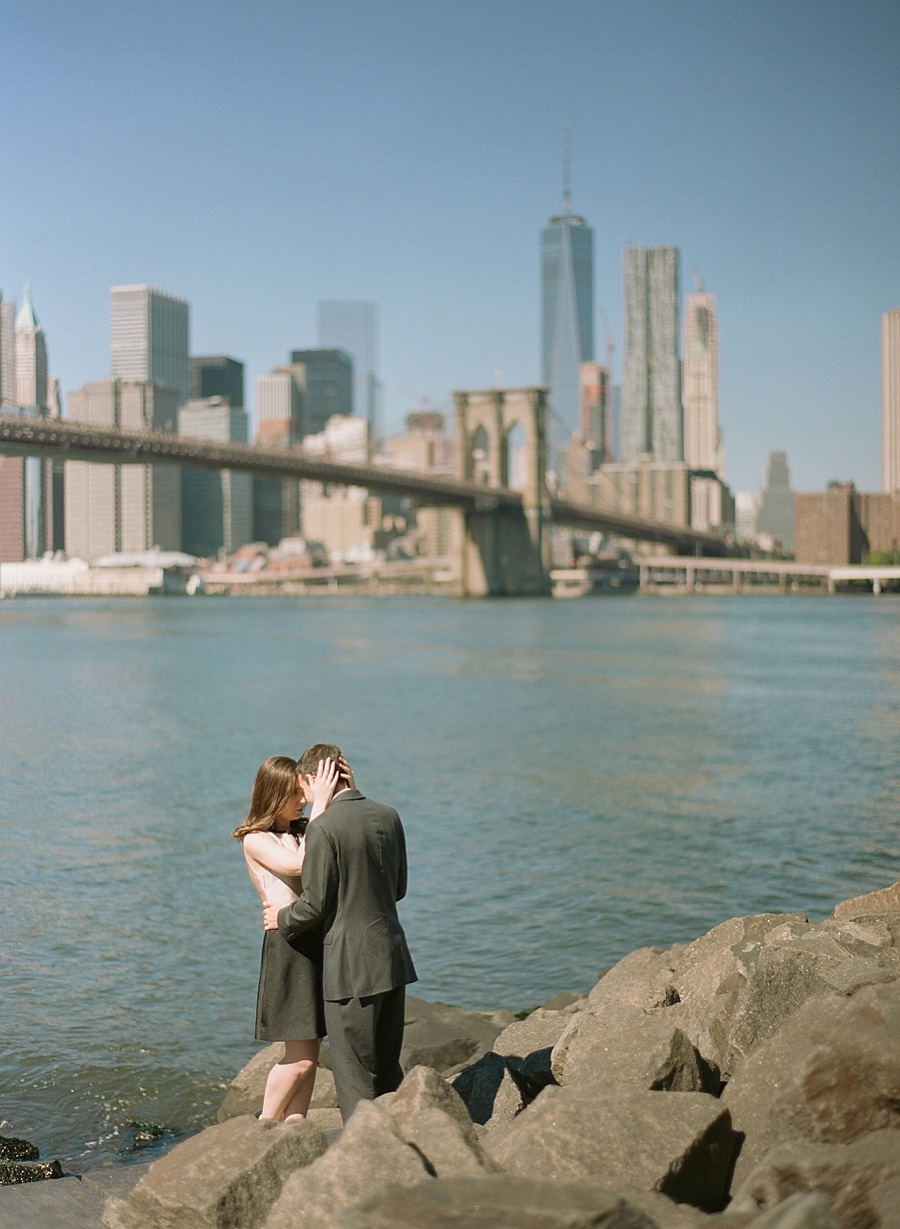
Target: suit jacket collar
column 347, row 795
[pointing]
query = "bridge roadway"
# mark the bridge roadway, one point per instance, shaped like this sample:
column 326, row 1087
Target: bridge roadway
column 62, row 440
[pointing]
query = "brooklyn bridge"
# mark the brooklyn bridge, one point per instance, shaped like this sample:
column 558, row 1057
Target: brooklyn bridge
column 502, row 529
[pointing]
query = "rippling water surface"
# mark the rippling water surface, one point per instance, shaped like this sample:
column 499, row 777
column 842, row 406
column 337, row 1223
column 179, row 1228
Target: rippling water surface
column 577, row 779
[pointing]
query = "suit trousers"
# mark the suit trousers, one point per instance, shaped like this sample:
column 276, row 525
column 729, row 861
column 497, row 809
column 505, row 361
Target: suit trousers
column 365, row 1036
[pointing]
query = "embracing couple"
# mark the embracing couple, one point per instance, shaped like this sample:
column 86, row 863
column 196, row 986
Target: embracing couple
column 335, row 959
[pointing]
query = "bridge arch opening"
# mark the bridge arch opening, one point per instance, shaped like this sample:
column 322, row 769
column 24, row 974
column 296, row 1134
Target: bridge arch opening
column 516, row 459
column 481, row 457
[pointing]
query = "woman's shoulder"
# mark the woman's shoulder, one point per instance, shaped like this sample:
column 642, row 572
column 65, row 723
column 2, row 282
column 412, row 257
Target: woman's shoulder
column 259, row 840
column 269, row 840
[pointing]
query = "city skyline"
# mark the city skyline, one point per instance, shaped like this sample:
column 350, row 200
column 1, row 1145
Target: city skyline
column 761, row 141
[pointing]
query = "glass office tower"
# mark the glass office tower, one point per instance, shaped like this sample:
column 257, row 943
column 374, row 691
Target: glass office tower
column 567, row 315
column 352, row 327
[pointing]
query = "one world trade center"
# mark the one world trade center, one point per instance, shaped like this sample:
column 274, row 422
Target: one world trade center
column 567, row 315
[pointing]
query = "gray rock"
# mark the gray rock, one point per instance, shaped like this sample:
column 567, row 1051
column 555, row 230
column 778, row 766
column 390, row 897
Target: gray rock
column 731, row 990
column 865, row 936
column 679, row 1144
column 527, row 1045
column 885, row 901
column 370, row 1155
column 448, row 1149
column 489, row 1091
column 831, row 1074
column 498, row 1202
column 563, row 1001
column 227, row 1176
column 327, row 1119
column 538, row 1031
column 848, row 1174
column 654, row 1057
column 583, row 1041
column 115, row 1180
column 502, row 1018
column 812, row 1211
column 644, row 978
column 444, row 1037
column 664, row 1212
column 884, row 1201
column 423, row 1088
column 64, row 1204
column 780, row 981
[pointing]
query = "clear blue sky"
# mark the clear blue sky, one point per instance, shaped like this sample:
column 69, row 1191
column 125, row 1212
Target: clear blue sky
column 257, row 157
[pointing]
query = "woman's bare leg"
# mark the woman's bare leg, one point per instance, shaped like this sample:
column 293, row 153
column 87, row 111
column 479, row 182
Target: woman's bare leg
column 290, row 1084
column 298, row 1106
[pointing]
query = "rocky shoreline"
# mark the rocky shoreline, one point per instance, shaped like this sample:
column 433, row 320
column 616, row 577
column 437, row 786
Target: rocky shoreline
column 750, row 1078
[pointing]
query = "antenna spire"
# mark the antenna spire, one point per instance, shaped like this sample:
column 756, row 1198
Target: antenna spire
column 567, row 170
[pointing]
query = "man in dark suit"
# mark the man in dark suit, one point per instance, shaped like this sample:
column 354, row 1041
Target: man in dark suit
column 354, row 873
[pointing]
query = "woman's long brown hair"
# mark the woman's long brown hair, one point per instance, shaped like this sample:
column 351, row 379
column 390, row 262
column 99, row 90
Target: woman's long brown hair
column 273, row 788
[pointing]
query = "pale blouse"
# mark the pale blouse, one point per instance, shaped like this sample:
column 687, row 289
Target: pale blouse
column 274, row 865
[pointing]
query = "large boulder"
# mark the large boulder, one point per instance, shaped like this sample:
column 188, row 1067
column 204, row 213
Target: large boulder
column 850, row 1175
column 582, row 1043
column 680, row 1144
column 645, row 978
column 498, row 1202
column 886, row 901
column 228, row 1175
column 449, row 1149
column 490, row 1091
column 831, row 1074
column 527, row 1045
column 423, row 1088
column 370, row 1155
column 735, row 986
column 444, row 1037
column 656, row 1057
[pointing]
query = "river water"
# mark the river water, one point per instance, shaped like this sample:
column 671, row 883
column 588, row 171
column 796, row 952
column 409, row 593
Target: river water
column 577, row 779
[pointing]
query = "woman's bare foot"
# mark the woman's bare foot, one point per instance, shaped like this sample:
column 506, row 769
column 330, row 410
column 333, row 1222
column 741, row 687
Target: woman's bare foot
column 295, row 1118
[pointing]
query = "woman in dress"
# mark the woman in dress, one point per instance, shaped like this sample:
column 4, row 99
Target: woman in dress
column 289, row 1003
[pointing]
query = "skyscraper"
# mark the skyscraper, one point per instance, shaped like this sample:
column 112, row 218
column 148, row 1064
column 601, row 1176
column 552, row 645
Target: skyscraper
column 890, row 401
column 31, row 357
column 216, row 375
column 30, row 488
column 776, row 515
column 328, row 386
column 567, row 312
column 651, row 422
column 149, row 337
column 352, row 327
column 7, row 352
column 700, row 384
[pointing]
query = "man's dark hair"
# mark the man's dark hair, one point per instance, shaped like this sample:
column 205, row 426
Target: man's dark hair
column 309, row 760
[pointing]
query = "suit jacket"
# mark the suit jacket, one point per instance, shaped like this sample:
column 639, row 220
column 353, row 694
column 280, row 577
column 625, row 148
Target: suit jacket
column 354, row 873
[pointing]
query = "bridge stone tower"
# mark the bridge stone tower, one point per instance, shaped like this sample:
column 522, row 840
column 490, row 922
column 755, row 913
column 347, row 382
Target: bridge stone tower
column 501, row 442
